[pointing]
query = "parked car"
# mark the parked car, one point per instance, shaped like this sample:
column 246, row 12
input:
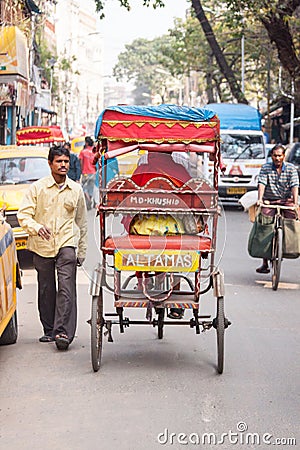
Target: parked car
column 9, row 282
column 19, row 167
column 293, row 156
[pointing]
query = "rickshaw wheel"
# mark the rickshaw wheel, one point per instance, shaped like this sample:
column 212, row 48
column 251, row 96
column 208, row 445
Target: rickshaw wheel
column 220, row 325
column 277, row 258
column 97, row 330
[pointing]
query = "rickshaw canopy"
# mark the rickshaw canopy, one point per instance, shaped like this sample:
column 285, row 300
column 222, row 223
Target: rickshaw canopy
column 157, row 128
column 39, row 135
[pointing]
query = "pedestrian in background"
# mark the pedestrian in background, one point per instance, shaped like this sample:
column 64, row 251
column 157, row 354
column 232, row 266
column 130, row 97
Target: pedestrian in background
column 88, row 170
column 267, row 138
column 74, row 166
column 53, row 213
column 112, row 170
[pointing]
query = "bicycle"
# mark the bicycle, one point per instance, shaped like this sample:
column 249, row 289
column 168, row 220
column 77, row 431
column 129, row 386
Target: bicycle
column 277, row 241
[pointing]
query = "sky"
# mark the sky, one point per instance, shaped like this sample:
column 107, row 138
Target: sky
column 120, row 27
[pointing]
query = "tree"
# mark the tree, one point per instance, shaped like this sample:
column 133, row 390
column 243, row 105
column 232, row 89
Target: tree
column 164, row 61
column 147, row 62
column 279, row 19
column 200, row 14
column 223, row 64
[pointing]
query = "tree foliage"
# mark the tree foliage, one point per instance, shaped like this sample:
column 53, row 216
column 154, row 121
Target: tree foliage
column 100, row 5
column 185, row 50
column 147, row 62
column 282, row 24
column 271, row 31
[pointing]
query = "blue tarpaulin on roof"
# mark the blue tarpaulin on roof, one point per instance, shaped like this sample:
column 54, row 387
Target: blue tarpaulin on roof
column 236, row 116
column 172, row 112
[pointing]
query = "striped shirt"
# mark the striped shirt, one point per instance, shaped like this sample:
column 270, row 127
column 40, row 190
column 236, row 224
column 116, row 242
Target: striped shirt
column 278, row 187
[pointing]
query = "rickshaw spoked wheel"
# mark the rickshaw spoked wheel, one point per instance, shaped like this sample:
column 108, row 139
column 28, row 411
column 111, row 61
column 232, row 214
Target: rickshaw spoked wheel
column 220, row 328
column 97, row 324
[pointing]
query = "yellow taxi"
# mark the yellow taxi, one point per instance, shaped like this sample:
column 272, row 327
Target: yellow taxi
column 9, row 282
column 77, row 144
column 129, row 162
column 19, row 167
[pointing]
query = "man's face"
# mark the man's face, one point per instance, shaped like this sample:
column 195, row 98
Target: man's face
column 278, row 157
column 60, row 165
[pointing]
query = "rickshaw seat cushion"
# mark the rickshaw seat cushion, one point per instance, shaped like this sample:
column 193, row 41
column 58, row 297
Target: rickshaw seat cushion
column 138, row 242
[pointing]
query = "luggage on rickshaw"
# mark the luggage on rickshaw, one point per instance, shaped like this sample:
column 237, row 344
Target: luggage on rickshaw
column 168, row 265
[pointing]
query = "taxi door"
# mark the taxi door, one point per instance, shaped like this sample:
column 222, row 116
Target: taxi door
column 9, row 281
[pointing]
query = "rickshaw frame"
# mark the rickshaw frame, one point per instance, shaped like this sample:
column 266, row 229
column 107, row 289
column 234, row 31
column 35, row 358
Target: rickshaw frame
column 123, row 129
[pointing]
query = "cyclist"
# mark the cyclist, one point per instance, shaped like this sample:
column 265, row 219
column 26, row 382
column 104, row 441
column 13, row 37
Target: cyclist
column 278, row 183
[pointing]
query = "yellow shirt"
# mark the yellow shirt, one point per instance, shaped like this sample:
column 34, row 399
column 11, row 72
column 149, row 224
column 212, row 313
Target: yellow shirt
column 62, row 210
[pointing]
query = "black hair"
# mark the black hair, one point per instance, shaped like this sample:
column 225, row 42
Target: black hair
column 277, row 147
column 89, row 141
column 58, row 150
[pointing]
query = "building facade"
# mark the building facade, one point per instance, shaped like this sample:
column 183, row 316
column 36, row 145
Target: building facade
column 79, row 47
column 14, row 67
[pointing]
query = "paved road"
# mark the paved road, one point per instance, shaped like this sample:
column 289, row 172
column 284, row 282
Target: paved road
column 148, row 389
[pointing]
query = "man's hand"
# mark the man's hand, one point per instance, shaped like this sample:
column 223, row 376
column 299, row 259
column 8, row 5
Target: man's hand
column 45, row 233
column 296, row 208
column 96, row 157
column 80, row 261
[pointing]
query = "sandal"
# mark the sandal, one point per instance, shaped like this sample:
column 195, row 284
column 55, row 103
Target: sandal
column 263, row 269
column 46, row 338
column 176, row 313
column 62, row 341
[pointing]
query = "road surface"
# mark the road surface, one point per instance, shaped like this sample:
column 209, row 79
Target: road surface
column 151, row 393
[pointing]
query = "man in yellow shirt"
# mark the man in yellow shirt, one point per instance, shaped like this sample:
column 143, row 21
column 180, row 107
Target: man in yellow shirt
column 53, row 213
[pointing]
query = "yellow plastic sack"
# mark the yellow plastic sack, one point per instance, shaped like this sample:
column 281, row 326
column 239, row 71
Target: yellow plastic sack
column 156, row 225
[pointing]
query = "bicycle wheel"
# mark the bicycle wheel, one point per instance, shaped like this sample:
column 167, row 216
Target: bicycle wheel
column 97, row 323
column 220, row 328
column 276, row 258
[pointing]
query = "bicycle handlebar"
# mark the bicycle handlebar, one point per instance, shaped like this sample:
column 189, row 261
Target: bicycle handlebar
column 292, row 208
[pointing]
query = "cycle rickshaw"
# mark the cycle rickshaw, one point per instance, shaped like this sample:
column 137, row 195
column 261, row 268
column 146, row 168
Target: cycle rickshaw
column 188, row 257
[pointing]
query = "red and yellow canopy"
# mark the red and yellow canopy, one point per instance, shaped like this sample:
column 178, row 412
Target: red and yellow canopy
column 39, row 135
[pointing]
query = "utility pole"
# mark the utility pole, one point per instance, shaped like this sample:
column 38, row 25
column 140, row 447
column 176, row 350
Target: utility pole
column 243, row 63
column 13, row 115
